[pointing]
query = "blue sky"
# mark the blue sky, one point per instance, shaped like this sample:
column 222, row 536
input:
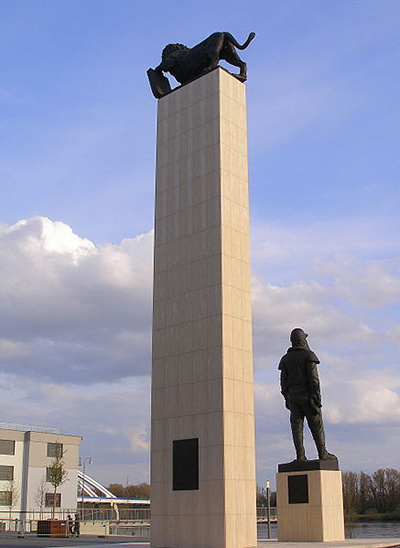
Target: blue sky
column 77, row 149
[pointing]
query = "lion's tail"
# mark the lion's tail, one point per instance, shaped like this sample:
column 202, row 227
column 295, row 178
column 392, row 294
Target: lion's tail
column 233, row 40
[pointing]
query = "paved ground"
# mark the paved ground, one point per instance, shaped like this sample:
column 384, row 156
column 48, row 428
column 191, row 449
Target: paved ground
column 11, row 540
column 355, row 543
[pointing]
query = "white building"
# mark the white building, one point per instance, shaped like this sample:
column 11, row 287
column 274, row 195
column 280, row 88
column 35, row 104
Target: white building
column 26, row 452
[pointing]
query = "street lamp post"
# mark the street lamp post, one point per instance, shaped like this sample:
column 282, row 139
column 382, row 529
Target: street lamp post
column 83, row 463
column 268, row 510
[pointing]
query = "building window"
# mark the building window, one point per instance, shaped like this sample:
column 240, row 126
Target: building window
column 7, row 447
column 50, row 498
column 5, row 498
column 55, row 450
column 48, row 474
column 6, row 473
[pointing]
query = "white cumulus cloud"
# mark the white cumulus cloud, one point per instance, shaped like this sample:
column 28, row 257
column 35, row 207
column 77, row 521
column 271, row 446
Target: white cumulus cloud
column 71, row 310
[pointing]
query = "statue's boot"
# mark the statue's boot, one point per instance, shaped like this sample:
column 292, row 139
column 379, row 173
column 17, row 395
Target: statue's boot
column 298, row 440
column 325, row 455
column 318, row 434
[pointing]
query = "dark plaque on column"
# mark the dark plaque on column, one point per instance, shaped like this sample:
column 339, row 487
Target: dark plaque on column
column 185, row 467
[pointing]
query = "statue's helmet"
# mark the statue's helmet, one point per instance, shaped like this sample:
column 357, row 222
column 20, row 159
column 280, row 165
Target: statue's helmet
column 298, row 335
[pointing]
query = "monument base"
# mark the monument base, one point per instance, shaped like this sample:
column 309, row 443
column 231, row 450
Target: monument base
column 309, row 503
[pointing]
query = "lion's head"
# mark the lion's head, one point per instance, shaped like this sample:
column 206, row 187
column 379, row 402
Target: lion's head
column 172, row 48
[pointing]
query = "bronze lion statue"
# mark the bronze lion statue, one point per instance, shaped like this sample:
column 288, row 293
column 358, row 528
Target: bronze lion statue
column 185, row 63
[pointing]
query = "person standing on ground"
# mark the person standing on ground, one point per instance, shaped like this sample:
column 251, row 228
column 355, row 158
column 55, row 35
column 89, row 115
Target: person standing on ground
column 77, row 528
column 70, row 525
column 301, row 389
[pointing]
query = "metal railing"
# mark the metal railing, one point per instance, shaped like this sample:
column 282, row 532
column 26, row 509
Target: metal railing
column 137, row 531
column 125, row 521
column 26, row 522
column 131, row 522
column 110, row 514
column 262, row 513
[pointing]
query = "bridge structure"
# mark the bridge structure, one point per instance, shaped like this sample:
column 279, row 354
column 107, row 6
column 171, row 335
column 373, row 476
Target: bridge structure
column 97, row 503
column 102, row 513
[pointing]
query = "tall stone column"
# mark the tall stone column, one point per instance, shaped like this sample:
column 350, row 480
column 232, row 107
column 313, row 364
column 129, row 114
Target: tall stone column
column 203, row 489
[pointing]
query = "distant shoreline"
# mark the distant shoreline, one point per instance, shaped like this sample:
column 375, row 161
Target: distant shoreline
column 367, row 518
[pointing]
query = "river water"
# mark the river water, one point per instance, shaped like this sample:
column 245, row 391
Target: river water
column 375, row 529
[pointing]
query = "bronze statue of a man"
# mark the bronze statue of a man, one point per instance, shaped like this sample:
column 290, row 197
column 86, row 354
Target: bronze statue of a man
column 301, row 389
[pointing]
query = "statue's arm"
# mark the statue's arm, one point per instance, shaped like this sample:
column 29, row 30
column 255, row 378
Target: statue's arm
column 284, row 383
column 315, row 388
column 285, row 387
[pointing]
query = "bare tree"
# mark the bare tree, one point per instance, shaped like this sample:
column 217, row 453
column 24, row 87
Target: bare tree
column 392, row 488
column 350, row 493
column 13, row 495
column 117, row 489
column 141, row 491
column 379, row 492
column 40, row 495
column 364, row 493
column 385, row 489
column 261, row 496
column 57, row 475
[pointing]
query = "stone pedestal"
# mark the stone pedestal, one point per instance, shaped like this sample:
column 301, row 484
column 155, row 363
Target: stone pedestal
column 310, row 503
column 203, row 489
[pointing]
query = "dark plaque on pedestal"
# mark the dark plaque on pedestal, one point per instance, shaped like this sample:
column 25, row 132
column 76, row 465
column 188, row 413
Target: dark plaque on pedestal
column 298, row 489
column 185, row 467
